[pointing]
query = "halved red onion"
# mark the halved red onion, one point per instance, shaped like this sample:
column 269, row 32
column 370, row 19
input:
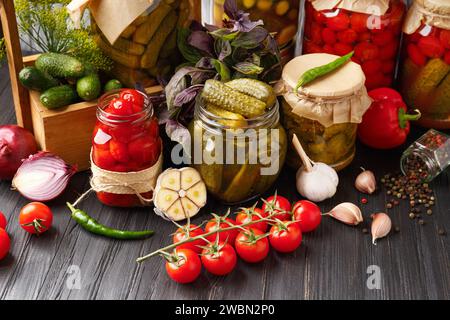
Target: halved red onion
column 43, row 176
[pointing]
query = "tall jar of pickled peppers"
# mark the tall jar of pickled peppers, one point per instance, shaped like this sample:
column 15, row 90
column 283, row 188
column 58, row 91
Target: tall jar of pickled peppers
column 279, row 16
column 125, row 139
column 425, row 69
column 324, row 114
column 370, row 28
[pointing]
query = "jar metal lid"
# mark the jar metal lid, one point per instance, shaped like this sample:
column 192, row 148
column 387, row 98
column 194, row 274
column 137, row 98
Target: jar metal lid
column 344, row 82
column 435, row 13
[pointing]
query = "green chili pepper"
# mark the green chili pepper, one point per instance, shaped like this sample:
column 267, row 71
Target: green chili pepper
column 92, row 225
column 317, row 72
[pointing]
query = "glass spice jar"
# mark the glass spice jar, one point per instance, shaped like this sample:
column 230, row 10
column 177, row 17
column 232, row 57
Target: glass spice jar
column 370, row 28
column 125, row 139
column 238, row 153
column 427, row 157
column 425, row 69
column 325, row 113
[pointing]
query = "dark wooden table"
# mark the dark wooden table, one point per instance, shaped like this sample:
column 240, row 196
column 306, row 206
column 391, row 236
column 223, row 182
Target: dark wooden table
column 334, row 262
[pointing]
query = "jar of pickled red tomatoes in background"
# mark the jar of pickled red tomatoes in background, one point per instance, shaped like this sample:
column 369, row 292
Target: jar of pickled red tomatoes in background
column 325, row 113
column 425, row 69
column 125, row 140
column 370, row 28
column 279, row 16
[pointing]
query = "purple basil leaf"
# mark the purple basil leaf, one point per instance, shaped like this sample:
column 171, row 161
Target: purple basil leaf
column 201, row 41
column 187, row 95
column 178, row 133
column 204, row 63
column 176, row 84
column 248, row 68
column 251, row 39
column 244, row 24
column 211, row 27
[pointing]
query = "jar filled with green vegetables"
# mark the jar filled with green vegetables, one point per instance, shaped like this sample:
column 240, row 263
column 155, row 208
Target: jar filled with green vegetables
column 324, row 113
column 238, row 144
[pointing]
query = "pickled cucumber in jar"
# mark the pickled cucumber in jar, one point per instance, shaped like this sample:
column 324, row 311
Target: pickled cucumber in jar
column 243, row 115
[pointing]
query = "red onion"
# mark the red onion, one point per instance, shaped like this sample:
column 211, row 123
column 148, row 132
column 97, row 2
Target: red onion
column 16, row 144
column 43, row 177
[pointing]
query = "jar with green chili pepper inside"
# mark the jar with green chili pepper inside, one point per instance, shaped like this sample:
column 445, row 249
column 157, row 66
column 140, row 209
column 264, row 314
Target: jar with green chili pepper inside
column 125, row 139
column 238, row 144
column 425, row 69
column 323, row 113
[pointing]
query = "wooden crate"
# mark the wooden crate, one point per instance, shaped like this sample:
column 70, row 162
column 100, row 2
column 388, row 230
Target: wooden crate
column 66, row 131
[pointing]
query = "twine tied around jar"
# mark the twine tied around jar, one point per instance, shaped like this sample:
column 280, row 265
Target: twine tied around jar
column 124, row 182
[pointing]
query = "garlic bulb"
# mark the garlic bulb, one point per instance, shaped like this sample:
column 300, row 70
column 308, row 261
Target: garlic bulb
column 347, row 213
column 366, row 182
column 381, row 226
column 179, row 193
column 314, row 181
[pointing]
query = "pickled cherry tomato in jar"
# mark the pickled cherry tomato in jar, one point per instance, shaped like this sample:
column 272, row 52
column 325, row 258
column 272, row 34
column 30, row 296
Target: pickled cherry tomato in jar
column 125, row 139
column 374, row 37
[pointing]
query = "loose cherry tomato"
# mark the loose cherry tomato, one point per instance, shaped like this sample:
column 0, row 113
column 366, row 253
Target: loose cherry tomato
column 185, row 267
column 120, row 107
column 431, row 47
column 285, row 237
column 36, row 218
column 224, row 236
column 307, row 214
column 135, row 97
column 250, row 214
column 5, row 243
column 250, row 247
column 416, row 55
column 3, row 221
column 219, row 260
column 278, row 204
column 119, row 151
column 182, row 234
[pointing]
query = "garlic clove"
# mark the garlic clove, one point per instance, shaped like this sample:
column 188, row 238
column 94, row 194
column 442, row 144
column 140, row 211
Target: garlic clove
column 347, row 213
column 381, row 226
column 171, row 180
column 366, row 182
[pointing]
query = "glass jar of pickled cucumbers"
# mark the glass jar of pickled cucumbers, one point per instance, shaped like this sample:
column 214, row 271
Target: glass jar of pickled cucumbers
column 279, row 16
column 370, row 28
column 325, row 113
column 145, row 47
column 425, row 69
column 238, row 144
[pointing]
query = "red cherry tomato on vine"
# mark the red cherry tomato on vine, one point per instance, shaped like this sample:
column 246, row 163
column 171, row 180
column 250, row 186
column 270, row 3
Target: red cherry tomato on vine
column 248, row 215
column 307, row 214
column 219, row 261
column 135, row 97
column 186, row 268
column 3, row 221
column 5, row 243
column 228, row 236
column 249, row 249
column 278, row 202
column 285, row 240
column 36, row 218
column 182, row 233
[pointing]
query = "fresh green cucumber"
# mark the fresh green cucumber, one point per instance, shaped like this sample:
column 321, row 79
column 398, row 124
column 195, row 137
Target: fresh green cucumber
column 34, row 79
column 112, row 84
column 89, row 87
column 59, row 96
column 60, row 65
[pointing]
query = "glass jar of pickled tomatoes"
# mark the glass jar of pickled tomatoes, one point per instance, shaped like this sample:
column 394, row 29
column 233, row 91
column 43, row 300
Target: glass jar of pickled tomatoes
column 126, row 139
column 370, row 28
column 425, row 69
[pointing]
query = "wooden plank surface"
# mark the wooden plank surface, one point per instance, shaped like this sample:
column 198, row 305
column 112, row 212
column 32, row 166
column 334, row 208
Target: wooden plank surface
column 331, row 263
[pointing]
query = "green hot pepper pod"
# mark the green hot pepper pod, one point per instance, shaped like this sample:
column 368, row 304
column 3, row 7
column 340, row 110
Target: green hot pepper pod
column 92, row 225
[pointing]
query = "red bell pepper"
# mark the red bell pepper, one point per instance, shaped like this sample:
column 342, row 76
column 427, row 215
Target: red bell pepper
column 385, row 125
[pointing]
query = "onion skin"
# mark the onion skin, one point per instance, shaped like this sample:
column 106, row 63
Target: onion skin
column 47, row 163
column 16, row 144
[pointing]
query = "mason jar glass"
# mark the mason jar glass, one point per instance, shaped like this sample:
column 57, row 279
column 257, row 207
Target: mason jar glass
column 124, row 143
column 237, row 159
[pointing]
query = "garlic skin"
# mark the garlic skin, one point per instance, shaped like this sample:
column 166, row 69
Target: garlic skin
column 366, row 182
column 381, row 226
column 319, row 183
column 347, row 213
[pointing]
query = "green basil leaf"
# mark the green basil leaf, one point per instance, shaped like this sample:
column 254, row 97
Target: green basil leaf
column 251, row 39
column 189, row 53
column 221, row 69
column 248, row 68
